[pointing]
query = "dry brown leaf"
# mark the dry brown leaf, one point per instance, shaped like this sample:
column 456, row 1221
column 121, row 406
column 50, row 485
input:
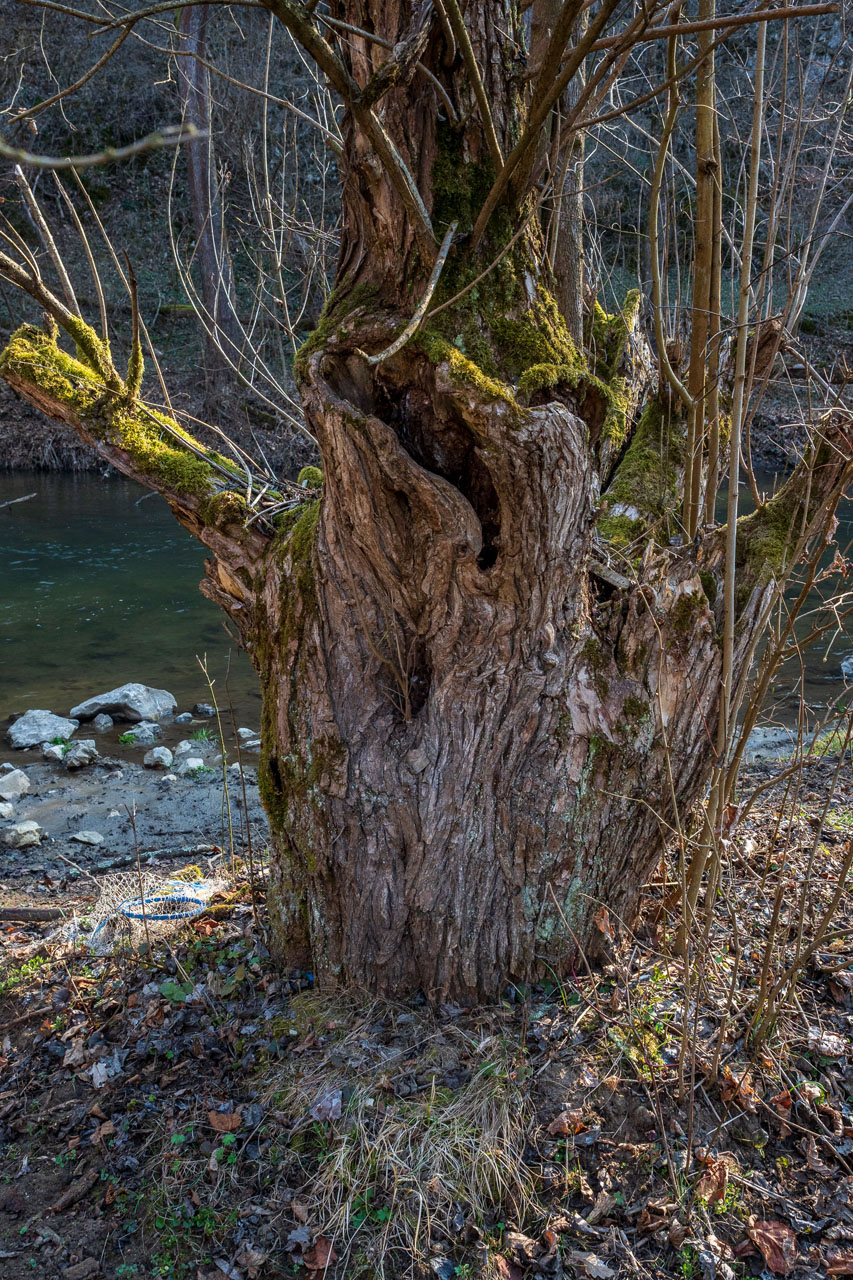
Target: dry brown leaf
column 655, row 1216
column 815, row 1163
column 677, row 1234
column 776, row 1243
column 225, row 1121
column 782, row 1103
column 567, row 1122
column 737, row 1088
column 252, row 1259
column 321, row 1256
column 594, row 1267
column 827, row 1043
column 299, row 1210
column 840, row 1264
column 711, row 1187
column 522, row 1249
column 506, row 1270
column 835, row 1119
column 105, row 1130
column 602, row 920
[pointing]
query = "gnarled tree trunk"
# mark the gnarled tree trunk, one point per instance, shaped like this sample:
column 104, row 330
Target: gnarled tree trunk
column 490, row 679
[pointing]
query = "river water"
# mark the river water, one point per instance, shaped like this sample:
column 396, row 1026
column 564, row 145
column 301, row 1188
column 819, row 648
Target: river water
column 99, row 585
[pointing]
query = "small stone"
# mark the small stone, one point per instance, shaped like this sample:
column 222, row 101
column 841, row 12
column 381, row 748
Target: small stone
column 204, row 709
column 35, row 727
column 54, row 750
column 158, row 758
column 189, row 765
column 169, row 778
column 254, row 745
column 102, row 722
column 81, row 753
column 6, row 810
column 85, row 1270
column 88, row 837
column 186, row 717
column 144, row 734
column 245, row 734
column 22, row 835
column 13, row 785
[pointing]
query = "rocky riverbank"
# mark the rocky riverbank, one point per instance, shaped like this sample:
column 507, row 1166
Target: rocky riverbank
column 80, row 793
column 66, row 824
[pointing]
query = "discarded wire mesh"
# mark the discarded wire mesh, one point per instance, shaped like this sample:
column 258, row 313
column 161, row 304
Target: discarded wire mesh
column 128, row 903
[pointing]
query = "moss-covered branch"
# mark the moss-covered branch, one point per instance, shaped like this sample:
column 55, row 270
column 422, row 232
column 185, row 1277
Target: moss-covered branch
column 775, row 537
column 140, row 441
column 644, row 492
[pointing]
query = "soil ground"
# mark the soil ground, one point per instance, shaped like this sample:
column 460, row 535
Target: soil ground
column 188, row 1110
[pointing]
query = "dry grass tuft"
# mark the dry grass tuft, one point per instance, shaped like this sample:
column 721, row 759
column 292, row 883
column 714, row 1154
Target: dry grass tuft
column 406, row 1140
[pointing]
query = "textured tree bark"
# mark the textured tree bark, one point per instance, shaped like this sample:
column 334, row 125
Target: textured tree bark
column 469, row 751
column 476, row 731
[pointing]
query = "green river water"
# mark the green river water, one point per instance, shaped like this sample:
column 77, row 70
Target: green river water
column 98, row 588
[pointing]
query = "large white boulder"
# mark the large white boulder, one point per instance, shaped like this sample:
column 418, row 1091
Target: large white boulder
column 35, row 727
column 129, row 702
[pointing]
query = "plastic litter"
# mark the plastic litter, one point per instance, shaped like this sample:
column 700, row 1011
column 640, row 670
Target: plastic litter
column 161, row 906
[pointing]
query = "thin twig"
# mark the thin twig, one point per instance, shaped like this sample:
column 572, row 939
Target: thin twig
column 412, row 326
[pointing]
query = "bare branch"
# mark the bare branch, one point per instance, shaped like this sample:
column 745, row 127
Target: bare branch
column 719, row 24
column 298, row 22
column 78, row 84
column 412, row 326
column 170, row 136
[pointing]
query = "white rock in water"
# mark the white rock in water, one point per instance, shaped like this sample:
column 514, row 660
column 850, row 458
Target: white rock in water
column 35, row 727
column 196, row 746
column 88, row 837
column 54, row 750
column 102, row 722
column 129, row 702
column 14, row 784
column 6, row 810
column 186, row 717
column 144, row 734
column 22, row 835
column 204, row 709
column 158, row 758
column 190, row 765
column 245, row 734
column 81, row 753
